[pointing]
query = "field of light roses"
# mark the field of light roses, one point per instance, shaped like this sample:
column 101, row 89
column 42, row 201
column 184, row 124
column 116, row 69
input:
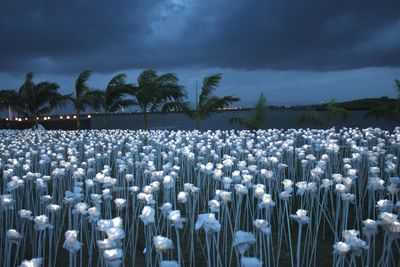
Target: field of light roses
column 297, row 197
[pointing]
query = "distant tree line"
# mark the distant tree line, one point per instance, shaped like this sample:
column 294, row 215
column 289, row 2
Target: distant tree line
column 382, row 108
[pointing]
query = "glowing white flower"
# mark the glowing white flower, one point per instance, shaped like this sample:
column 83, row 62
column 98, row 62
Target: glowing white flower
column 341, row 188
column 162, row 244
column 113, row 254
column 166, row 263
column 250, row 262
column 35, row 262
column 355, row 243
column 166, row 208
column 81, row 208
column 13, row 235
column 53, row 208
column 114, row 233
column 176, row 219
column 120, row 203
column 94, row 214
column 208, row 222
column 348, row 197
column 388, row 218
column 301, row 216
column 301, row 187
column 341, row 248
column 370, row 227
column 287, row 184
column 182, row 197
column 241, row 189
column 108, row 244
column 262, row 225
column 384, row 205
column 168, row 182
column 243, row 240
column 42, row 222
column 224, row 195
column 375, row 183
column 25, row 214
column 71, row 243
column 259, row 190
column 6, row 201
column 147, row 215
column 266, row 201
column 326, row 183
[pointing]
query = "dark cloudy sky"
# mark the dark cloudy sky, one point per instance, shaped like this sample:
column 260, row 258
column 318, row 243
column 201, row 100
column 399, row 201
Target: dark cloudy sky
column 294, row 52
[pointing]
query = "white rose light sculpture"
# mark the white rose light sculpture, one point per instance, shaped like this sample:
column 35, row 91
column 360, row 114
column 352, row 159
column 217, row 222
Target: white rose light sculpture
column 117, row 191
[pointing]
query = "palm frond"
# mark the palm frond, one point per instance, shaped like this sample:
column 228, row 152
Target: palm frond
column 397, row 82
column 260, row 111
column 210, row 83
column 80, row 83
column 383, row 111
column 310, row 117
column 215, row 103
column 243, row 121
column 28, row 85
column 258, row 118
column 335, row 111
column 117, row 80
column 7, row 98
column 121, row 103
column 154, row 91
column 176, row 106
column 92, row 99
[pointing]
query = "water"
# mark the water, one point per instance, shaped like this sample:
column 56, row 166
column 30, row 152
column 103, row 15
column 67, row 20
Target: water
column 276, row 119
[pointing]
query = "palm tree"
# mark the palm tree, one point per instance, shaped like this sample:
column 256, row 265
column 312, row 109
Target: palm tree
column 256, row 121
column 206, row 103
column 312, row 117
column 383, row 111
column 115, row 96
column 85, row 97
column 159, row 93
column 8, row 100
column 334, row 111
column 387, row 111
column 39, row 99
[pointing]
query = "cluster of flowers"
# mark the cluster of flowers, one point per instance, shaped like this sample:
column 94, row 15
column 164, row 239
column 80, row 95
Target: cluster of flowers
column 174, row 198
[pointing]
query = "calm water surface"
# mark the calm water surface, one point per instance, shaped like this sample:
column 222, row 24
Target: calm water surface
column 276, row 119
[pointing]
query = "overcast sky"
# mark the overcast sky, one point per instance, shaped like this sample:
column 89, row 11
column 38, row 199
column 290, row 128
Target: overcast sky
column 295, row 52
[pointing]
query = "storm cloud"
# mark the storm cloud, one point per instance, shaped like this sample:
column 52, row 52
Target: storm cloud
column 106, row 36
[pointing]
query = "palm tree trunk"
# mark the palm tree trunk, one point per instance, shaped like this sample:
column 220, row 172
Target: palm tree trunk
column 35, row 123
column 78, row 120
column 145, row 118
column 106, row 119
column 10, row 112
column 197, row 110
column 197, row 121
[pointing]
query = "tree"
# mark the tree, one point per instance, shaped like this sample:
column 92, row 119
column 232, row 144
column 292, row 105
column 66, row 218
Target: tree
column 85, row 97
column 383, row 111
column 334, row 112
column 386, row 111
column 115, row 96
column 35, row 100
column 310, row 116
column 257, row 120
column 159, row 93
column 207, row 103
column 8, row 100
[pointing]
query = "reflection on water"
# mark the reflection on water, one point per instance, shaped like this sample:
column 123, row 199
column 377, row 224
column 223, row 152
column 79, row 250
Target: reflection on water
column 276, row 119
